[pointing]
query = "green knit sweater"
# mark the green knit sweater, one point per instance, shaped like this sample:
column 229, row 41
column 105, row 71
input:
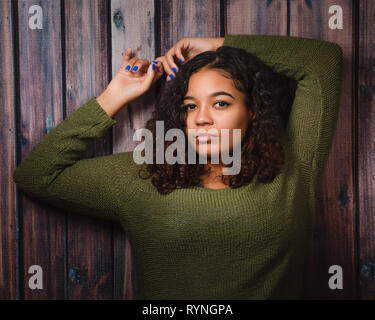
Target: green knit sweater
column 200, row 243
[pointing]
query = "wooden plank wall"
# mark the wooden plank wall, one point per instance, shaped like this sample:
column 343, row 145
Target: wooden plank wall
column 47, row 74
column 8, row 209
column 365, row 112
column 42, row 232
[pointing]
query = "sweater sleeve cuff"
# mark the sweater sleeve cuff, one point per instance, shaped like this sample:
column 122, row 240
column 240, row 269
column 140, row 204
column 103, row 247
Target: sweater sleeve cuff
column 89, row 119
column 98, row 112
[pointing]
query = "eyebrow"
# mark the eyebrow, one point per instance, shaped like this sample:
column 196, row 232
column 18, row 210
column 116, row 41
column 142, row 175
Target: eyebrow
column 219, row 93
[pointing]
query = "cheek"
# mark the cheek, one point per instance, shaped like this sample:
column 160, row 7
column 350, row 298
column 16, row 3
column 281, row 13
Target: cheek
column 239, row 123
column 187, row 121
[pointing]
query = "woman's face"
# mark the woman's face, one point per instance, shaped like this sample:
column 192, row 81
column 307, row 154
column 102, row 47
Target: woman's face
column 213, row 102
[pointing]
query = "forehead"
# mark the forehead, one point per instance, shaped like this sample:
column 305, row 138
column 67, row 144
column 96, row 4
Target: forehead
column 207, row 80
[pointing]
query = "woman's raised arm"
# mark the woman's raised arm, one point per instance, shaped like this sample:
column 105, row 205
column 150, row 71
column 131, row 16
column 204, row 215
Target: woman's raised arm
column 55, row 172
column 317, row 66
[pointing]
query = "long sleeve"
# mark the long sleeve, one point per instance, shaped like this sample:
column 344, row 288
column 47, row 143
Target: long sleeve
column 55, row 173
column 317, row 67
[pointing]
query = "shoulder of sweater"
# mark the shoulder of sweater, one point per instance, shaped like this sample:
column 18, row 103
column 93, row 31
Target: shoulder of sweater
column 125, row 161
column 127, row 174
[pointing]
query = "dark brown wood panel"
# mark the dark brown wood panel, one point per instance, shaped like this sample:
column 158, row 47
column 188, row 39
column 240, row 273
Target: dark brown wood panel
column 366, row 148
column 89, row 241
column 8, row 223
column 42, row 229
column 334, row 232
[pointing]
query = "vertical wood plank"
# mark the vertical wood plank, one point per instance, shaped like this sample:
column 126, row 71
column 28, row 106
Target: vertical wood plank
column 187, row 18
column 8, row 223
column 41, row 229
column 334, row 233
column 132, row 25
column 256, row 17
column 89, row 241
column 366, row 148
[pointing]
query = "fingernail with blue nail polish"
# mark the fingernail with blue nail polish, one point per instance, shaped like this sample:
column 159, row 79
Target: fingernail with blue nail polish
column 181, row 60
column 127, row 67
column 171, row 76
column 135, row 68
column 153, row 67
column 154, row 62
column 174, row 69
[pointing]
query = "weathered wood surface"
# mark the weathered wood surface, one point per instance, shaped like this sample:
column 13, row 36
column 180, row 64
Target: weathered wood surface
column 8, row 206
column 365, row 117
column 42, row 229
column 89, row 243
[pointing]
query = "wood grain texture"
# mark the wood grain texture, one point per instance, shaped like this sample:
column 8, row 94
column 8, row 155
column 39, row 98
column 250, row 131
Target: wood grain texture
column 187, row 18
column 89, row 241
column 42, row 230
column 366, row 148
column 124, row 270
column 334, row 234
column 132, row 25
column 8, row 223
column 256, row 17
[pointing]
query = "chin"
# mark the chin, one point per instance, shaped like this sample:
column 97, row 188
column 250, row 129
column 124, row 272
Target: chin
column 207, row 150
column 210, row 152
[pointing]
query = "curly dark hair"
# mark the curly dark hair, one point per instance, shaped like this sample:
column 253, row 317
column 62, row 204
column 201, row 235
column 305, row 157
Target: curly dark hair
column 268, row 95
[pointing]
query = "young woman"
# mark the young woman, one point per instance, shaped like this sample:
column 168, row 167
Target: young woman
column 196, row 233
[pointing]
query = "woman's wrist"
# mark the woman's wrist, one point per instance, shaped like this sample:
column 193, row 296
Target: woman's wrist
column 109, row 102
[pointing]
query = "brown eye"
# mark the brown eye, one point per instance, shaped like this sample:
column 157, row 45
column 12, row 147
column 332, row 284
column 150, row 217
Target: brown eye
column 222, row 103
column 187, row 106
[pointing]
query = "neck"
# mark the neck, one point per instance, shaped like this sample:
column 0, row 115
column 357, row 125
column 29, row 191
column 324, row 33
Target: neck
column 214, row 176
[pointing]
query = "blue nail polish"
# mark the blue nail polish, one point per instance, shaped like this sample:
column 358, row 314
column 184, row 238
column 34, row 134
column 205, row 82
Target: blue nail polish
column 181, row 60
column 135, row 68
column 127, row 67
column 171, row 76
column 154, row 61
column 174, row 69
column 153, row 67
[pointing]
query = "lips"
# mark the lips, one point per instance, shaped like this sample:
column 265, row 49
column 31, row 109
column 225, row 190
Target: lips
column 205, row 137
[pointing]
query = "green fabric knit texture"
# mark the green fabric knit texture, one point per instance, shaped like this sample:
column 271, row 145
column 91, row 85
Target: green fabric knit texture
column 198, row 243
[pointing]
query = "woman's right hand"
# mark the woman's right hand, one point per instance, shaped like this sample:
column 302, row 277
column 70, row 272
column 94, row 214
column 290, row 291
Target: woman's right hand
column 185, row 49
column 132, row 80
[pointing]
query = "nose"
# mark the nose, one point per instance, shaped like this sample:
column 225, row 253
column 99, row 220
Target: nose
column 203, row 116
